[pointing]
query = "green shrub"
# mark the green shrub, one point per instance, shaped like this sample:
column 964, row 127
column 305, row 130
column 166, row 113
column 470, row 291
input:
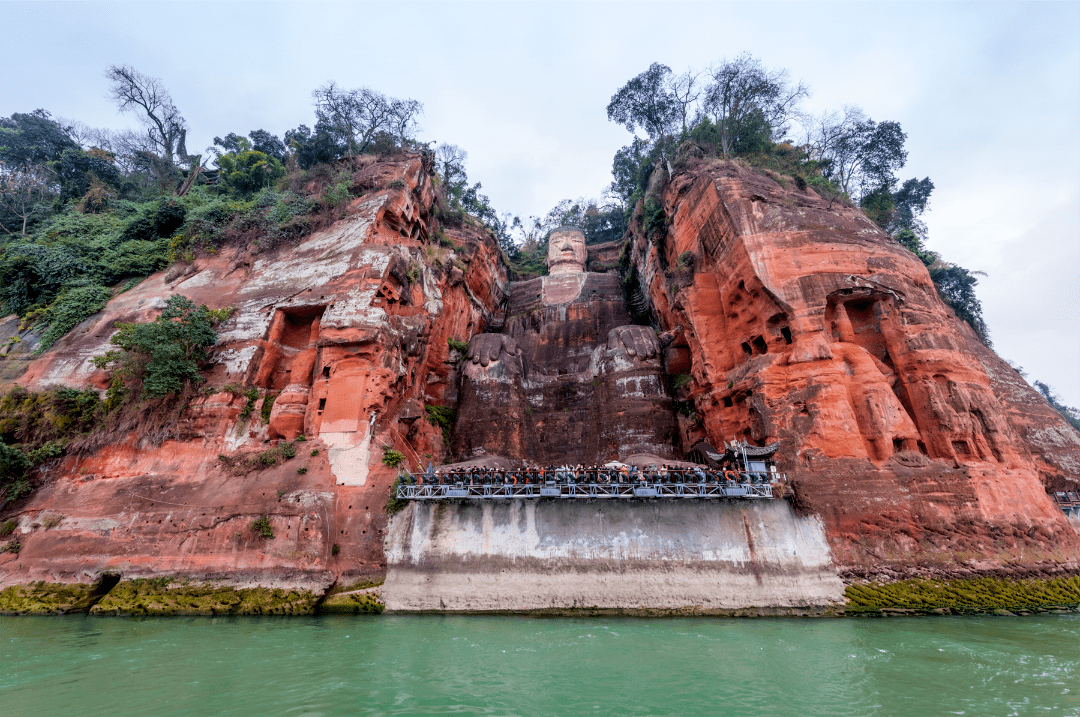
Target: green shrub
column 261, row 527
column 314, row 451
column 393, row 503
column 392, row 458
column 248, row 171
column 268, row 407
column 655, row 220
column 252, row 394
column 681, row 380
column 7, row 528
column 443, row 417
column 301, row 471
column 461, row 347
column 170, row 347
column 71, row 307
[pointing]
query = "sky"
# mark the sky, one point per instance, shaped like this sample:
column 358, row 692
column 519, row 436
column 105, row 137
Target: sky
column 988, row 94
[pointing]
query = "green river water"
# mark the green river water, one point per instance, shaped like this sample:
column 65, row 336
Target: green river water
column 425, row 665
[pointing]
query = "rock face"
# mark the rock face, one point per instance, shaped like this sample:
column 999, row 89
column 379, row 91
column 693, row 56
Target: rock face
column 569, row 379
column 803, row 323
column 781, row 317
column 348, row 330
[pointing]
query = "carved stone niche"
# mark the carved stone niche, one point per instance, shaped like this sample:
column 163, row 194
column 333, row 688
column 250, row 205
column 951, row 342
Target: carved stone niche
column 287, row 365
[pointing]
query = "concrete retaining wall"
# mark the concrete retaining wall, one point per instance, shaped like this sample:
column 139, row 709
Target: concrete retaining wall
column 544, row 555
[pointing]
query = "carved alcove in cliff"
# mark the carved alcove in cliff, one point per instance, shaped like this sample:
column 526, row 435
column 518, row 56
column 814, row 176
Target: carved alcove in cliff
column 287, row 364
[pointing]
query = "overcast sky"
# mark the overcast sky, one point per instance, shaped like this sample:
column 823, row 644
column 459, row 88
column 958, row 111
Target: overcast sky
column 988, row 93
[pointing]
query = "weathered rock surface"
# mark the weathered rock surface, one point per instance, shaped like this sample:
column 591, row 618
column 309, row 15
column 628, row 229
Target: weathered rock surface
column 348, row 330
column 803, row 323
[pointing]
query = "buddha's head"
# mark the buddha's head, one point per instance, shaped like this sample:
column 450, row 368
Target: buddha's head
column 566, row 251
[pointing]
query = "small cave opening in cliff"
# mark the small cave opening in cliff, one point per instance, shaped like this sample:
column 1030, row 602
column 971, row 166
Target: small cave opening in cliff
column 786, row 333
column 760, row 347
column 108, row 582
column 897, row 445
column 289, row 354
column 322, row 404
column 728, row 403
column 746, row 349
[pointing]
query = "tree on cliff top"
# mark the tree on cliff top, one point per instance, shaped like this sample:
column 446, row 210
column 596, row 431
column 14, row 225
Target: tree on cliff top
column 357, row 117
column 647, row 102
column 745, row 98
column 165, row 131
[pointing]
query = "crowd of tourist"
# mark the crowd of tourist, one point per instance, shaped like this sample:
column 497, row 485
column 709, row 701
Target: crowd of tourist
column 580, row 474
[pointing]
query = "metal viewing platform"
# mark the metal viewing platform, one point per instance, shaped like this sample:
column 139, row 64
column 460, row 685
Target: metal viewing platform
column 1068, row 501
column 602, row 483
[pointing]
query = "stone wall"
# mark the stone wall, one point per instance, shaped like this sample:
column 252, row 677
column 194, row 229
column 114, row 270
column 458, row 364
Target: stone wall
column 545, row 555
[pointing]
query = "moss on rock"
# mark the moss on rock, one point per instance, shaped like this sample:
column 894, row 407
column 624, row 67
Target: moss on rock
column 352, row 604
column 162, row 597
column 43, row 598
column 977, row 595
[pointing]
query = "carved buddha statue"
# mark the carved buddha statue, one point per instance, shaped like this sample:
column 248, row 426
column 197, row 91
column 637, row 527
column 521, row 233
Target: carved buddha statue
column 569, row 378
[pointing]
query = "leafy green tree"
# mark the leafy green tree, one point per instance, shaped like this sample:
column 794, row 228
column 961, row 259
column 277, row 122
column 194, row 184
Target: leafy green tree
column 233, row 143
column 956, row 287
column 172, row 346
column 913, row 243
column 646, row 102
column 248, row 171
column 313, row 147
column 356, row 118
column 33, row 139
column 750, row 104
column 77, row 170
column 910, row 201
column 263, row 141
column 630, row 169
column 1070, row 414
column 25, row 192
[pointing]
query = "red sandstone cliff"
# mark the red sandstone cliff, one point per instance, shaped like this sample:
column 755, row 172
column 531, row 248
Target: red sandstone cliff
column 348, row 329
column 797, row 319
column 801, row 322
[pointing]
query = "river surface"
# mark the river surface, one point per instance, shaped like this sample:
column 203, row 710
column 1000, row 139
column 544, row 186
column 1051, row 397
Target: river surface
column 432, row 665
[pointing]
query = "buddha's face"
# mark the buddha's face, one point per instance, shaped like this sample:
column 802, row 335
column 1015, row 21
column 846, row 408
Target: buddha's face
column 566, row 252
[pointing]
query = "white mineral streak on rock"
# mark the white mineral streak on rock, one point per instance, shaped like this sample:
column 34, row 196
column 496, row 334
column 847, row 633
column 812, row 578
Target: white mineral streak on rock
column 349, row 453
column 542, row 554
column 235, row 360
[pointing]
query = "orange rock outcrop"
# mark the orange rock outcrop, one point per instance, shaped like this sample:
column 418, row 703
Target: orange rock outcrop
column 346, row 331
column 802, row 322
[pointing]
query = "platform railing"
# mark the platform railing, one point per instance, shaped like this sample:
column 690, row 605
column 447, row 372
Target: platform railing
column 497, row 485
